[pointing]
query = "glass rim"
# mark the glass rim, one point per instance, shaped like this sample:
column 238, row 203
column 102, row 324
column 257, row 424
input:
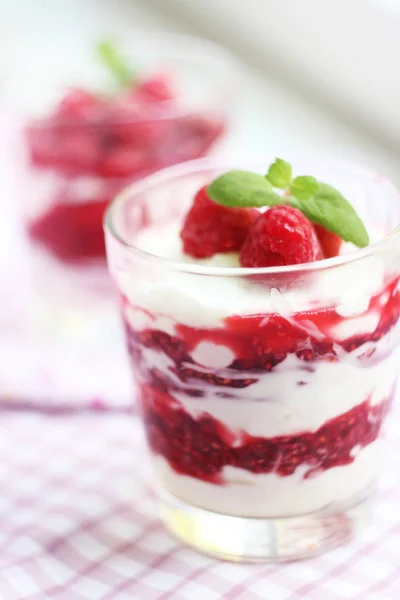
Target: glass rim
column 197, row 165
column 166, row 44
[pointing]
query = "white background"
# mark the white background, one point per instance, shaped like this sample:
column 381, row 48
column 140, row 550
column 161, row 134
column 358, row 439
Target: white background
column 343, row 52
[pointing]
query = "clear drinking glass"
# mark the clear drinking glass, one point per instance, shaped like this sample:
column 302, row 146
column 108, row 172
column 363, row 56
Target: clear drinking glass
column 71, row 163
column 263, row 392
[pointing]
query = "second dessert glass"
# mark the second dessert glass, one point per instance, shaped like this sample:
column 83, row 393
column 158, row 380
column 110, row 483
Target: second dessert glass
column 72, row 156
column 263, row 392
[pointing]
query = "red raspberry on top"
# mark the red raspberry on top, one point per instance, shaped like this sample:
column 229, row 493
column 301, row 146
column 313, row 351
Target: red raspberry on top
column 157, row 88
column 77, row 103
column 210, row 227
column 280, row 236
column 330, row 242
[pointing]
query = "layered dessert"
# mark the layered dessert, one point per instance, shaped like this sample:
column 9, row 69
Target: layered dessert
column 94, row 143
column 265, row 347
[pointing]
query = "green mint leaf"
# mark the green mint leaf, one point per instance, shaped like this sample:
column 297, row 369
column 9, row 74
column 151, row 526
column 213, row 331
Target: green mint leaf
column 329, row 208
column 243, row 189
column 280, row 174
column 303, row 187
column 115, row 63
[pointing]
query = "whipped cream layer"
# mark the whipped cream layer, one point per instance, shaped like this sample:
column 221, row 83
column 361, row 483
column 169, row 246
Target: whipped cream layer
column 205, row 301
column 287, row 400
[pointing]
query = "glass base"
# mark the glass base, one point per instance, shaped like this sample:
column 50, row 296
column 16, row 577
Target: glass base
column 244, row 539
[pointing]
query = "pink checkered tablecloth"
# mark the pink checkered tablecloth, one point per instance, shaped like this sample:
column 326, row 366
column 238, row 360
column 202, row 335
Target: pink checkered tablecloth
column 78, row 522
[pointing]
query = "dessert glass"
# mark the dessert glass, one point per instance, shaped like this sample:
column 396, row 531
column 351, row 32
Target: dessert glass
column 69, row 169
column 263, row 392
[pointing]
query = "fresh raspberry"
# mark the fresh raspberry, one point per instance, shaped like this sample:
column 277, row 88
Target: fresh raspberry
column 280, row 236
column 157, row 88
column 210, row 227
column 330, row 242
column 77, row 104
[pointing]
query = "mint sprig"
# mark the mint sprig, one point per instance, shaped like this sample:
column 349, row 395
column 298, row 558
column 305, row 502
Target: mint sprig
column 319, row 202
column 244, row 189
column 280, row 174
column 303, row 187
column 329, row 208
column 116, row 63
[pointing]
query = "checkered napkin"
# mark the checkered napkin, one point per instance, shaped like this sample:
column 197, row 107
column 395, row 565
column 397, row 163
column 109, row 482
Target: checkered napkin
column 78, row 522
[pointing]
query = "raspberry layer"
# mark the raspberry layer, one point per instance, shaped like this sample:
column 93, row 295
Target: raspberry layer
column 203, row 447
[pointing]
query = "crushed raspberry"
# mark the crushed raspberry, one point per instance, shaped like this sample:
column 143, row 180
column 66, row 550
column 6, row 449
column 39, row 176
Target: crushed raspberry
column 201, row 447
column 330, row 242
column 171, row 346
column 280, row 236
column 191, row 375
column 210, row 227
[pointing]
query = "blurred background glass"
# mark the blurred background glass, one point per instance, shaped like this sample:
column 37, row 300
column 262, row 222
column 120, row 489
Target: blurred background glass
column 86, row 125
